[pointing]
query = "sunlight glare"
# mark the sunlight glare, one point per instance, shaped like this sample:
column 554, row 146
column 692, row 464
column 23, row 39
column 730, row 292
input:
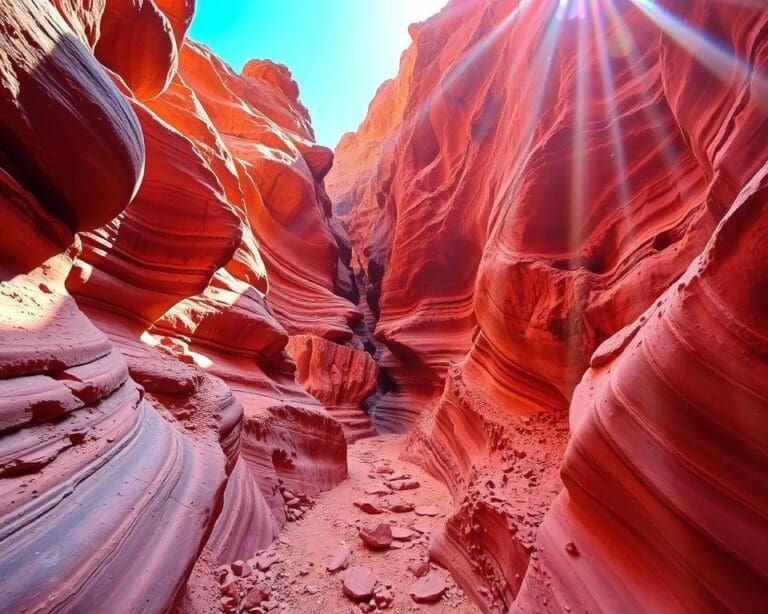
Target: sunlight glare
column 711, row 53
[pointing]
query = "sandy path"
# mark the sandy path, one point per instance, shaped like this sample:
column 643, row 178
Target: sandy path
column 299, row 581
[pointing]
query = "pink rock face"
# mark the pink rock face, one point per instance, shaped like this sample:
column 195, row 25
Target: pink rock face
column 82, row 448
column 686, row 407
column 522, row 194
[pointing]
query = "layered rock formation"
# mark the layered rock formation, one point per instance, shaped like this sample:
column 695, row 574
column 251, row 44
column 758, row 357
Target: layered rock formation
column 536, row 182
column 554, row 279
column 340, row 377
column 165, row 231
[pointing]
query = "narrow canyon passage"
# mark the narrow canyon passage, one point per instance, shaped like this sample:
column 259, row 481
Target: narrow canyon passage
column 322, row 554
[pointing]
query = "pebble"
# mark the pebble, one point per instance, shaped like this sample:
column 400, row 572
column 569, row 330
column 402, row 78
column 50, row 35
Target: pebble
column 571, row 549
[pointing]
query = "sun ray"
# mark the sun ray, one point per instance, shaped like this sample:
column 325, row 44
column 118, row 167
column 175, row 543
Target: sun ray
column 578, row 167
column 579, row 187
column 710, row 52
column 541, row 65
column 614, row 120
column 640, row 72
column 473, row 55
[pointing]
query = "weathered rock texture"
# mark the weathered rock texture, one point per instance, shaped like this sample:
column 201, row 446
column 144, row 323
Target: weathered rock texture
column 165, row 230
column 555, row 279
column 540, row 180
column 340, row 377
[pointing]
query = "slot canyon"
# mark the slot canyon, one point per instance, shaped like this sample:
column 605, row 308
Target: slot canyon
column 504, row 350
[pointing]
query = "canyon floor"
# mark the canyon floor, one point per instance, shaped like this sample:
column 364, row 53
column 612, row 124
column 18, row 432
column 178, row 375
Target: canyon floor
column 297, row 579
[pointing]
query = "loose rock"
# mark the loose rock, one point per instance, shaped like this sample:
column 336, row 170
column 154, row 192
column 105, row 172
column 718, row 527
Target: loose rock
column 402, row 534
column 376, row 489
column 257, row 595
column 358, row 583
column 429, row 588
column 404, row 484
column 383, row 597
column 229, row 586
column 369, row 506
column 338, row 559
column 377, row 537
column 419, row 568
column 398, row 505
column 241, row 569
column 265, row 561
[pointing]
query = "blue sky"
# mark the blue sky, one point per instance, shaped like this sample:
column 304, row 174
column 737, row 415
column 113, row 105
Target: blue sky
column 338, row 50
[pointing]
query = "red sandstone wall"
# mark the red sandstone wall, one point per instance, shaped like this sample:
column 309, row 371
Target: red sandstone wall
column 578, row 339
column 541, row 182
column 165, row 230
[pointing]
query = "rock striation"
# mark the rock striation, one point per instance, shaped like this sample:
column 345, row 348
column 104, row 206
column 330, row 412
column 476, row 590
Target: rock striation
column 542, row 256
column 340, row 377
column 165, row 232
column 538, row 207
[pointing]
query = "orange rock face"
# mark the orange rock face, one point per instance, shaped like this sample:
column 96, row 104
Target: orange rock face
column 534, row 181
column 152, row 274
column 53, row 93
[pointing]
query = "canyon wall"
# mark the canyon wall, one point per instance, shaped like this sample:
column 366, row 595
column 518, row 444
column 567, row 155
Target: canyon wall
column 543, row 254
column 165, row 240
column 557, row 216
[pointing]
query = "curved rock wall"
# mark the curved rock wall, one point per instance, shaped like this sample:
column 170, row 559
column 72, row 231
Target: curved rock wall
column 666, row 456
column 537, row 176
column 165, row 230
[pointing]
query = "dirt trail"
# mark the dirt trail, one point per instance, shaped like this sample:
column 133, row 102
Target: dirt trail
column 298, row 581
